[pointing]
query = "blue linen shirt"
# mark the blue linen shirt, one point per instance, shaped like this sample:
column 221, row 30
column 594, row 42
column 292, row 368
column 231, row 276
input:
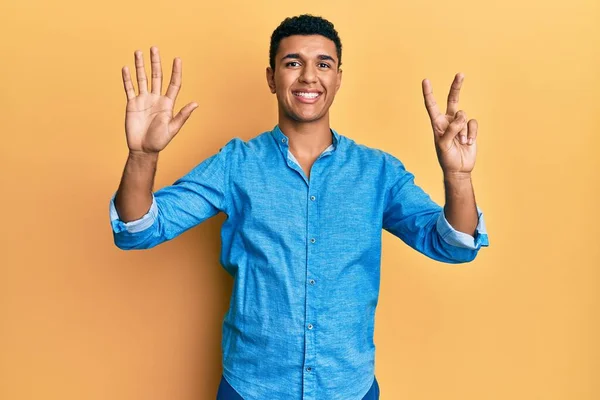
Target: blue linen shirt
column 304, row 254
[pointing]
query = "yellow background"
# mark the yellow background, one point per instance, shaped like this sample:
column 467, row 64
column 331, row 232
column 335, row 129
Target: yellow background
column 81, row 319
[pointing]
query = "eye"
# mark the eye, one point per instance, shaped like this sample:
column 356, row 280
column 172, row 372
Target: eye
column 324, row 65
column 292, row 62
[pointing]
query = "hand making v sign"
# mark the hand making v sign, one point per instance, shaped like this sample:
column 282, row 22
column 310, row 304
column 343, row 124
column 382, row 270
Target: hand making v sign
column 455, row 138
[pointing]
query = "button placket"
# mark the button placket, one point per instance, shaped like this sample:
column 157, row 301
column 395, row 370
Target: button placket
column 311, row 306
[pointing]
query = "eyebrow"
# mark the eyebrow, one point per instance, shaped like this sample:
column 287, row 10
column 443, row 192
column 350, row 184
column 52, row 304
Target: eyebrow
column 320, row 57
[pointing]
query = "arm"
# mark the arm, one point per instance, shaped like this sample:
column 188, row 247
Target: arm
column 193, row 198
column 456, row 232
column 412, row 215
column 149, row 127
column 456, row 148
column 460, row 209
column 134, row 196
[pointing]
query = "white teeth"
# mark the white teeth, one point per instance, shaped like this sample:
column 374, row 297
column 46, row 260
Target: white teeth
column 307, row 95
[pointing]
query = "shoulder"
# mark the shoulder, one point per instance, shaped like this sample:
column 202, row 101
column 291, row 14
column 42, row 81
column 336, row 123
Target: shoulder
column 389, row 169
column 238, row 147
column 374, row 155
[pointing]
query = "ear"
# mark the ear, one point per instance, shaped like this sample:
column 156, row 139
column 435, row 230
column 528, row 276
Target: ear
column 339, row 80
column 271, row 79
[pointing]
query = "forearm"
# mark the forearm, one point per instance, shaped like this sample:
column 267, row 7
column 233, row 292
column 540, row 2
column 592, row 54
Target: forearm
column 134, row 196
column 460, row 209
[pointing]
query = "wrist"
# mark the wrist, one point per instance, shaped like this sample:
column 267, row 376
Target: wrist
column 457, row 176
column 142, row 156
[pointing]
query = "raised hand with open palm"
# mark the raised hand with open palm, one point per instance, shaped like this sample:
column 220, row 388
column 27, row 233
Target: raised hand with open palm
column 149, row 121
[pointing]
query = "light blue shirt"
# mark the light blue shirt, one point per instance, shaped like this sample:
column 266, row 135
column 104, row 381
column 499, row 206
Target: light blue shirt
column 304, row 254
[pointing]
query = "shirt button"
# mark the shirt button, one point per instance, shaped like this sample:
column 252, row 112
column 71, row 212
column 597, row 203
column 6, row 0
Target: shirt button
column 308, row 369
column 312, row 281
column 313, row 240
column 283, row 140
column 313, row 198
column 310, row 326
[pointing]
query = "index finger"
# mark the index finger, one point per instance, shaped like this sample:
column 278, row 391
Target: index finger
column 453, row 95
column 430, row 103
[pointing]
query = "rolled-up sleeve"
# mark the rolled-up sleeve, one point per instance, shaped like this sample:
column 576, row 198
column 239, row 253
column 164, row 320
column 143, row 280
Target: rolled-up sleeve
column 136, row 226
column 461, row 239
column 412, row 215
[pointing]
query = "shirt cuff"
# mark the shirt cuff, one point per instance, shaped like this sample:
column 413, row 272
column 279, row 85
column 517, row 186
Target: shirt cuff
column 132, row 226
column 461, row 239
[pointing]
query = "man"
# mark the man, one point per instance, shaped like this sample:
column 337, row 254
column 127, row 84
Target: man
column 305, row 206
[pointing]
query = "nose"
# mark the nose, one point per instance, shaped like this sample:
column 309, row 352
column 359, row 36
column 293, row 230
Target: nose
column 308, row 74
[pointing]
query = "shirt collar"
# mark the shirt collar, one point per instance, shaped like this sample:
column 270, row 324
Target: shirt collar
column 283, row 141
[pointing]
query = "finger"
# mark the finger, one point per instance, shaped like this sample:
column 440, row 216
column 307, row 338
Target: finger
column 175, row 83
column 128, row 85
column 156, row 70
column 182, row 116
column 140, row 72
column 454, row 128
column 454, row 94
column 462, row 135
column 430, row 103
column 473, row 126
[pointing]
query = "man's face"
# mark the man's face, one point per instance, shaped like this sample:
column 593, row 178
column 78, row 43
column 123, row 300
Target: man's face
column 306, row 77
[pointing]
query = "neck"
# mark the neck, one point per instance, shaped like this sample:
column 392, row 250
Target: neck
column 307, row 139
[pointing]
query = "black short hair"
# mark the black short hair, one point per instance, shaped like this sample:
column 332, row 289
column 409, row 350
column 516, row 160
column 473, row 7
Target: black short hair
column 305, row 24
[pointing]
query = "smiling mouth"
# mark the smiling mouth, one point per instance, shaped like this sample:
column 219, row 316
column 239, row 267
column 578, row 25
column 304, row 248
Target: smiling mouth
column 307, row 96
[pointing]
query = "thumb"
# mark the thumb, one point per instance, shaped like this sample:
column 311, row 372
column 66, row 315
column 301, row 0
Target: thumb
column 178, row 120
